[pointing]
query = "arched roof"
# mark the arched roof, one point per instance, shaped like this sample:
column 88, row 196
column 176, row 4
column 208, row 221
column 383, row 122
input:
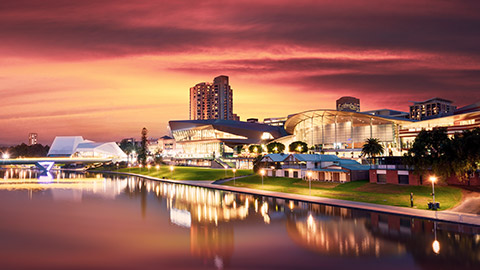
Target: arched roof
column 342, row 116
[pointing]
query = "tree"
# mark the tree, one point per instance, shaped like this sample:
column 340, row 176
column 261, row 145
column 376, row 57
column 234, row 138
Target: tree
column 255, row 148
column 128, row 146
column 462, row 154
column 372, row 147
column 431, row 150
column 275, row 147
column 298, row 147
column 142, row 155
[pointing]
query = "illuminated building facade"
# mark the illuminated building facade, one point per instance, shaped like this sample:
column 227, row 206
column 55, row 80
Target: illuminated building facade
column 434, row 107
column 348, row 104
column 32, row 138
column 212, row 100
column 344, row 133
column 218, row 138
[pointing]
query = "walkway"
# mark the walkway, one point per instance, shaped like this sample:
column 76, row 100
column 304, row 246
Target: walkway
column 447, row 215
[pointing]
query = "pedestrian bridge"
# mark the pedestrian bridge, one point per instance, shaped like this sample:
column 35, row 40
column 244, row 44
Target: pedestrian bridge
column 46, row 163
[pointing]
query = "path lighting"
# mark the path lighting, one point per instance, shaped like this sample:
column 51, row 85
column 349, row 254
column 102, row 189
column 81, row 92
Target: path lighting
column 157, row 167
column 309, row 174
column 171, row 170
column 262, row 173
column 140, row 166
column 225, row 167
column 234, row 170
column 129, row 167
column 149, row 166
column 433, row 179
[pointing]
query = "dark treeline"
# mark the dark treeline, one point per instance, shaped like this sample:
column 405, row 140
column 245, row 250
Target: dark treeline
column 435, row 151
column 23, row 150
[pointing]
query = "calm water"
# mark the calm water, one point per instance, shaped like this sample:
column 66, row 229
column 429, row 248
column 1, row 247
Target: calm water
column 109, row 222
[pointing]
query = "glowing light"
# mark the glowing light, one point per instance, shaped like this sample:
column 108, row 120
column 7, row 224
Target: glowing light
column 436, row 247
column 262, row 172
column 5, row 156
column 433, row 179
column 172, row 168
column 157, row 167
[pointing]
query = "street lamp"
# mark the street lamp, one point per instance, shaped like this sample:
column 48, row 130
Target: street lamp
column 157, row 167
column 433, row 179
column 262, row 173
column 171, row 170
column 234, row 170
column 140, row 166
column 129, row 167
column 225, row 167
column 149, row 166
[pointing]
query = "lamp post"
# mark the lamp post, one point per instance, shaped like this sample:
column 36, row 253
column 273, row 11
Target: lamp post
column 234, row 170
column 262, row 173
column 129, row 167
column 148, row 167
column 157, row 167
column 225, row 167
column 433, row 179
column 309, row 174
column 140, row 166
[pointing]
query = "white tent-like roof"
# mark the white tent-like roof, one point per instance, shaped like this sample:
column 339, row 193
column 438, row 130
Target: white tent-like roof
column 64, row 146
column 93, row 149
column 68, row 146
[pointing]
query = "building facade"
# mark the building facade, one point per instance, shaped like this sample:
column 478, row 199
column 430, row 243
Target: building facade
column 434, row 107
column 212, row 100
column 209, row 139
column 32, row 138
column 348, row 104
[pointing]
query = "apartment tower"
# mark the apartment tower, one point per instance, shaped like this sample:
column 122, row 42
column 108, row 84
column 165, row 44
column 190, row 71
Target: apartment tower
column 212, row 100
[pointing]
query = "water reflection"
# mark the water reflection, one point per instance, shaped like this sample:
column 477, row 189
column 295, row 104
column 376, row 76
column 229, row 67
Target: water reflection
column 214, row 219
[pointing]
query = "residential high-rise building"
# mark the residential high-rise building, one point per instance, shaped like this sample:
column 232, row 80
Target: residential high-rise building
column 431, row 108
column 212, row 100
column 32, row 138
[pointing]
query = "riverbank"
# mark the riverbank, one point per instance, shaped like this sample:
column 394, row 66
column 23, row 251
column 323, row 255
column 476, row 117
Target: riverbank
column 360, row 191
column 446, row 216
column 184, row 173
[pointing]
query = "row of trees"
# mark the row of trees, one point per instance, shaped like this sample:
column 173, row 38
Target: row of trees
column 23, row 150
column 276, row 147
column 445, row 156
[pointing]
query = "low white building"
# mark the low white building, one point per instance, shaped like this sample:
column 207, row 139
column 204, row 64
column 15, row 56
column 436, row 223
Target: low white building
column 77, row 146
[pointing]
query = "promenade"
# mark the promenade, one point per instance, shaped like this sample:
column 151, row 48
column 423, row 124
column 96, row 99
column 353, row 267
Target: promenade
column 446, row 216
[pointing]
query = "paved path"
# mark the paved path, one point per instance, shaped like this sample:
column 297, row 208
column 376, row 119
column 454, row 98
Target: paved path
column 447, row 215
column 470, row 202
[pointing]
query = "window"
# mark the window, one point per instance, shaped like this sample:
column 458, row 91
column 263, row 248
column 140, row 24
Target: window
column 285, row 173
column 295, row 174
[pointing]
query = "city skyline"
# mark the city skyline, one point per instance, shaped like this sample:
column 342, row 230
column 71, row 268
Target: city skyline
column 106, row 70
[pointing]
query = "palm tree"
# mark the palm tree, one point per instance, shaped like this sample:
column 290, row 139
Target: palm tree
column 372, row 147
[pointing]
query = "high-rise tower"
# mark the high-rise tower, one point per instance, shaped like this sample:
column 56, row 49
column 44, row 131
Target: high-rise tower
column 212, row 100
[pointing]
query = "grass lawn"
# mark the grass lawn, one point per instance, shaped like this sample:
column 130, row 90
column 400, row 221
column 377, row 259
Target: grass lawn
column 361, row 191
column 186, row 173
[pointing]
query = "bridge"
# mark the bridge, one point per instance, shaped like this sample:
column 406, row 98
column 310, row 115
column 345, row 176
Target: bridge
column 46, row 163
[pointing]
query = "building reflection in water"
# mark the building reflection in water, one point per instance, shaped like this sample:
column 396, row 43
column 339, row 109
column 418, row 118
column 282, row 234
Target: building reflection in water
column 211, row 215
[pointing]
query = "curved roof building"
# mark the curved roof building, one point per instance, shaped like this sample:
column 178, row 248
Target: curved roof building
column 332, row 129
column 214, row 138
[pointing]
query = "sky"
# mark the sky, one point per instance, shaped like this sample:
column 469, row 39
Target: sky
column 106, row 69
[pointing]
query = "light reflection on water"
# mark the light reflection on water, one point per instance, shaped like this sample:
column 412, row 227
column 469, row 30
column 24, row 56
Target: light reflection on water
column 182, row 226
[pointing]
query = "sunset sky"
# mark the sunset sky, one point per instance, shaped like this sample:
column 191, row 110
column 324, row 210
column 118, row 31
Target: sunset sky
column 106, row 69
